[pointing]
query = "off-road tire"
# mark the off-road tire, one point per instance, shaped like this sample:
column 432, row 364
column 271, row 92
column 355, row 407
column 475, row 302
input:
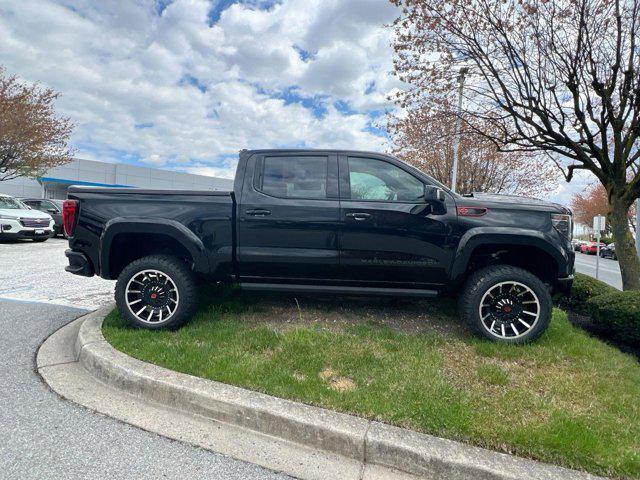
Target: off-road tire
column 486, row 278
column 180, row 275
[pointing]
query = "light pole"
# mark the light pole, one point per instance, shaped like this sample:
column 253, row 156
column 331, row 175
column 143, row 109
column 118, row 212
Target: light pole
column 456, row 141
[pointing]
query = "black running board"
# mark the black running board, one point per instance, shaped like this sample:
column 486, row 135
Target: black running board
column 336, row 289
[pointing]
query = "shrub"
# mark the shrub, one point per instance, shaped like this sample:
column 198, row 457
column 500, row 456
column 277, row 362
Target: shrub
column 584, row 288
column 619, row 312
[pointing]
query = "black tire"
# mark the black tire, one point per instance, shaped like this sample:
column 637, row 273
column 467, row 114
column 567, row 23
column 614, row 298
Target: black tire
column 486, row 287
column 180, row 292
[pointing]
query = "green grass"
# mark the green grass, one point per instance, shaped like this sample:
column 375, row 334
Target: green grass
column 567, row 399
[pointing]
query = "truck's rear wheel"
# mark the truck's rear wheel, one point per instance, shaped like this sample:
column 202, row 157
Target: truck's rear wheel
column 157, row 291
column 506, row 304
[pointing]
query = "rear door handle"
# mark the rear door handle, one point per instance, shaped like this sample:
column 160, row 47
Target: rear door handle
column 359, row 216
column 258, row 212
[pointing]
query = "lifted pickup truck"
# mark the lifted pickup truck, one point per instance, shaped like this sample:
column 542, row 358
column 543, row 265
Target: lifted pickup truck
column 331, row 222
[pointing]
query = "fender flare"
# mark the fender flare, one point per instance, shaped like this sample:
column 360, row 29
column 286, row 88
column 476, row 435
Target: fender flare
column 158, row 226
column 503, row 236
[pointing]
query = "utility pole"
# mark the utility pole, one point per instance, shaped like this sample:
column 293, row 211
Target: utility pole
column 456, row 140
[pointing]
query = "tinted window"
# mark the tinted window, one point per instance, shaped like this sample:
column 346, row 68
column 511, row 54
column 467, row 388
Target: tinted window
column 295, row 177
column 372, row 179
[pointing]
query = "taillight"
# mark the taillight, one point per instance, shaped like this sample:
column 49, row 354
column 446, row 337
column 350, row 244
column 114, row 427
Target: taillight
column 69, row 214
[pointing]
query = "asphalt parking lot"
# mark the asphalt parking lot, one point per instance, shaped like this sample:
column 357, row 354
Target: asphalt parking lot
column 608, row 270
column 44, row 436
column 35, row 272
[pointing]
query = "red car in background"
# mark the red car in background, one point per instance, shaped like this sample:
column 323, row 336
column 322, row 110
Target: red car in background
column 591, row 248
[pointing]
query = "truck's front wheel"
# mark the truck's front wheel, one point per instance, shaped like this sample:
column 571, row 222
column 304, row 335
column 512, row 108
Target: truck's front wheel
column 506, row 304
column 157, row 291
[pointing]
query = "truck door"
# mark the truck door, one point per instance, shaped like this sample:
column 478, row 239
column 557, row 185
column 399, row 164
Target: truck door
column 288, row 218
column 388, row 234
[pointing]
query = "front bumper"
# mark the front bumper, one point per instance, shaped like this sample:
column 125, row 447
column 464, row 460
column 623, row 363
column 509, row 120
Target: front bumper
column 25, row 233
column 11, row 228
column 563, row 285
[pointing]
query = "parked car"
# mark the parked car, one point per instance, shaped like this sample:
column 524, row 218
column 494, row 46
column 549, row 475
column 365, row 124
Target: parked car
column 329, row 222
column 591, row 248
column 50, row 206
column 577, row 245
column 18, row 221
column 609, row 251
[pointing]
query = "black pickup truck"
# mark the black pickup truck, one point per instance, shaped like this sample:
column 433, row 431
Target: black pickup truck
column 330, row 222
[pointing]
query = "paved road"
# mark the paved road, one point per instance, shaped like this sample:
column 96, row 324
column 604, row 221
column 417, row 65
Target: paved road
column 608, row 271
column 35, row 272
column 45, row 437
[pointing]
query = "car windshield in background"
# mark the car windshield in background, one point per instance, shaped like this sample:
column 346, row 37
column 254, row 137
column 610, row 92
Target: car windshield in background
column 8, row 202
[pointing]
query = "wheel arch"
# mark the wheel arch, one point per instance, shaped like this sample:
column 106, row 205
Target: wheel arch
column 528, row 249
column 123, row 240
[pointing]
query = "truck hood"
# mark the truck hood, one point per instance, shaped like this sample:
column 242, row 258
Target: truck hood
column 23, row 213
column 516, row 201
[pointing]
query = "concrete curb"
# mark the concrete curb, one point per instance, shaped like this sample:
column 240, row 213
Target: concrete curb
column 371, row 443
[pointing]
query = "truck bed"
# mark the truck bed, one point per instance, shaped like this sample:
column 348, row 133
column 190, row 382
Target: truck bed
column 108, row 216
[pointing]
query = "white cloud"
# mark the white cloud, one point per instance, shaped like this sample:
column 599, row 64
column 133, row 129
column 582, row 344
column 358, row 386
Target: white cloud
column 564, row 192
column 171, row 90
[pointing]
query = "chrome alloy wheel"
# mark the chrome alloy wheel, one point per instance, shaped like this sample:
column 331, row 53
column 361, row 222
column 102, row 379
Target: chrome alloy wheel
column 509, row 310
column 152, row 296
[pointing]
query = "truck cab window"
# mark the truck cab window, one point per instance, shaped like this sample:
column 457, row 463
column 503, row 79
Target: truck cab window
column 372, row 179
column 295, row 177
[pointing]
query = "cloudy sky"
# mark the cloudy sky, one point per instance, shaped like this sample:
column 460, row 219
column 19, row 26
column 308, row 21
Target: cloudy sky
column 185, row 84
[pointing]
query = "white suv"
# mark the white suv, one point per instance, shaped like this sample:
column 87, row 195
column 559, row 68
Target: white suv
column 19, row 221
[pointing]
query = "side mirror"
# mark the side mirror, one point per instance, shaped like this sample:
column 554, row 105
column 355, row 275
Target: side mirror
column 433, row 194
column 52, row 210
column 434, row 202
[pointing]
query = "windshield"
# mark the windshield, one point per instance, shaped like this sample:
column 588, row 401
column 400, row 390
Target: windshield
column 8, row 202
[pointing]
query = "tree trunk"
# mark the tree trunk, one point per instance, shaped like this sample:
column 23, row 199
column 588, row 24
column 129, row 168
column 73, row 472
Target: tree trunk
column 625, row 246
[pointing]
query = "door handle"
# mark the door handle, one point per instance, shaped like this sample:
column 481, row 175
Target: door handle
column 359, row 216
column 258, row 212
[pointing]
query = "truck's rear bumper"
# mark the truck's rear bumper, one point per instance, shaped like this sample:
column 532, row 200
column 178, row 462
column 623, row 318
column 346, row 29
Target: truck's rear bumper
column 79, row 264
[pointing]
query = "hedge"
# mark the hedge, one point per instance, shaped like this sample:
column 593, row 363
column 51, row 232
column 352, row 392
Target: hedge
column 618, row 311
column 584, row 288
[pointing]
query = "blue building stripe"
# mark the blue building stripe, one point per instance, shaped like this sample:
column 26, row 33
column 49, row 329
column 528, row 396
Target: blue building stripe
column 80, row 182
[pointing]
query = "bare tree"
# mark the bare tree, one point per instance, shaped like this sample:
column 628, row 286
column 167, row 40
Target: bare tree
column 424, row 138
column 32, row 138
column 560, row 77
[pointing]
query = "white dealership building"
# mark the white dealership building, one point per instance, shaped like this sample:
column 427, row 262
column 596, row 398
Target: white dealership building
column 54, row 183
